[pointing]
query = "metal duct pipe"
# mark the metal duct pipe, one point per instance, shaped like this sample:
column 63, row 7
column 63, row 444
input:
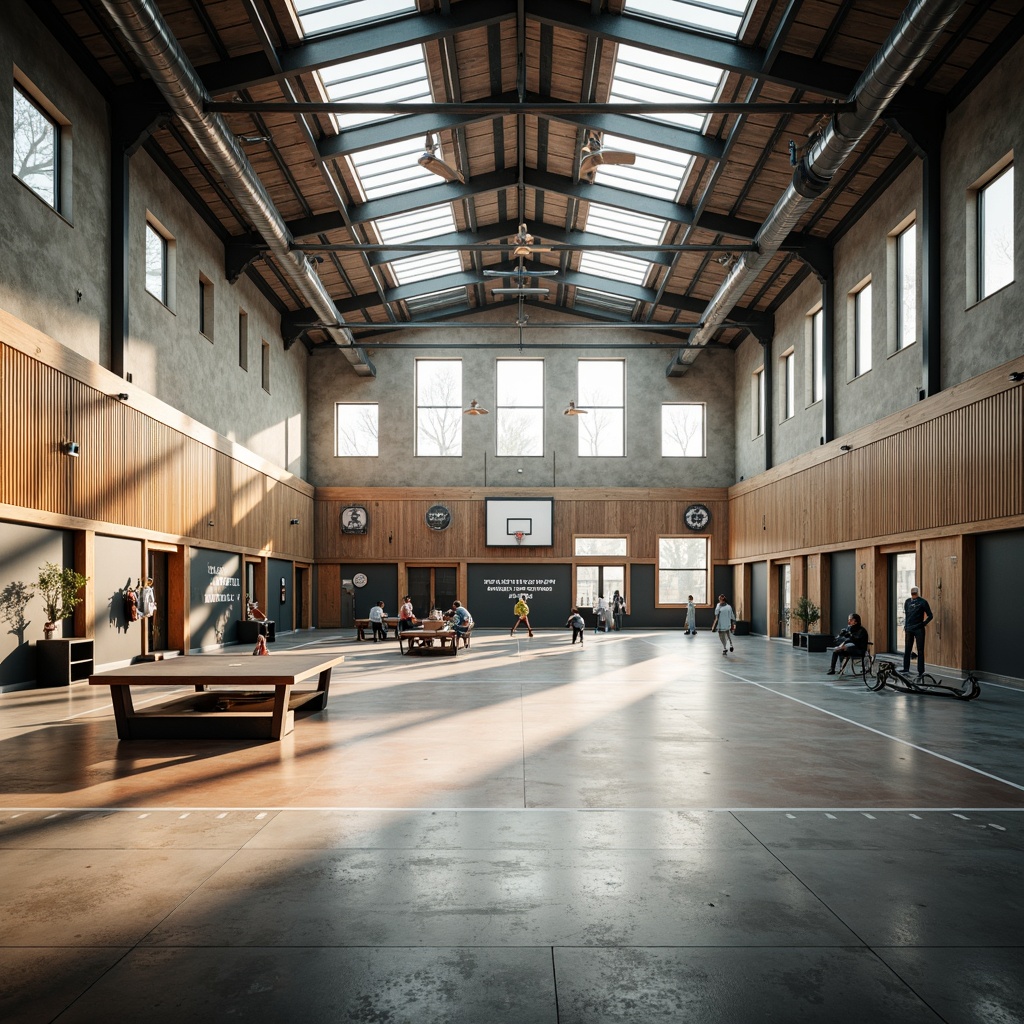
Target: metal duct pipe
column 907, row 44
column 171, row 71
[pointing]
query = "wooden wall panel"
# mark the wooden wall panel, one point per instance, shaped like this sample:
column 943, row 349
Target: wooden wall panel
column 135, row 473
column 328, row 590
column 398, row 530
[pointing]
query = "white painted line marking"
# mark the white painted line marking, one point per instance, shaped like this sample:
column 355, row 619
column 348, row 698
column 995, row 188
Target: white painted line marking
column 261, row 815
column 917, row 817
column 832, row 816
column 790, row 815
column 992, row 824
column 180, row 816
column 49, row 816
column 223, row 814
column 866, row 815
column 962, row 817
column 146, row 815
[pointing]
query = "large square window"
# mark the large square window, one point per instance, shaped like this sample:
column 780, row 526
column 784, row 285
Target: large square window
column 602, row 394
column 356, row 429
column 683, row 570
column 682, row 430
column 439, row 407
column 520, row 407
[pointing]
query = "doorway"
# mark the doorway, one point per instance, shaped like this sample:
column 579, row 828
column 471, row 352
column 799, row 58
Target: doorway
column 158, row 570
column 902, row 576
column 430, row 587
column 594, row 581
column 785, row 598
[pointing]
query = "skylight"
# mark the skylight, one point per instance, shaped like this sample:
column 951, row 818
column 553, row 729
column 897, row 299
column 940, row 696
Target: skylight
column 616, row 222
column 599, row 300
column 385, row 170
column 657, row 171
column 416, row 226
column 644, row 76
column 395, row 76
column 722, row 17
column 614, row 266
column 449, row 298
column 319, row 16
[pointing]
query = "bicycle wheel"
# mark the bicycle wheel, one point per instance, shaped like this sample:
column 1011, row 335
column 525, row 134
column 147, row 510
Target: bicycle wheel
column 878, row 682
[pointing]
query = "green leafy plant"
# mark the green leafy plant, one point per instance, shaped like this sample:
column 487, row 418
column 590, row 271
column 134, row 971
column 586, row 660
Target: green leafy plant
column 59, row 590
column 807, row 612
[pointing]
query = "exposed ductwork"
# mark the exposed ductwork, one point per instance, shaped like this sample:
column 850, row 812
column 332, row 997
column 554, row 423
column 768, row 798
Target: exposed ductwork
column 908, row 43
column 171, row 71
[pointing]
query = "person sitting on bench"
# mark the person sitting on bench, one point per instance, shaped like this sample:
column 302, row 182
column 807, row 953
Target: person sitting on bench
column 851, row 642
column 461, row 621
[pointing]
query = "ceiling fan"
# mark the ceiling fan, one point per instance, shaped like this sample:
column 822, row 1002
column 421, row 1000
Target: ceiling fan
column 592, row 156
column 435, row 164
column 524, row 243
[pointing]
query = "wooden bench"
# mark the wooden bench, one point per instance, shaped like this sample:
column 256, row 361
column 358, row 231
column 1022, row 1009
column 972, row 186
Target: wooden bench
column 363, row 626
column 428, row 641
column 218, row 713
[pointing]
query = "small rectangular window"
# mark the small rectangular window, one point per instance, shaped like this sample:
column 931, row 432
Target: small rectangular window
column 995, row 234
column 601, row 392
column 37, row 148
column 603, row 546
column 243, row 340
column 439, row 407
column 906, row 287
column 520, row 407
column 265, row 367
column 682, row 430
column 156, row 263
column 206, row 308
column 683, row 570
column 758, row 401
column 788, row 368
column 817, row 353
column 862, row 331
column 356, row 430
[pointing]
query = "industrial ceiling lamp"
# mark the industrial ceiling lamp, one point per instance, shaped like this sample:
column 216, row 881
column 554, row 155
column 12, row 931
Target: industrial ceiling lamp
column 573, row 411
column 593, row 156
column 435, row 164
column 475, row 409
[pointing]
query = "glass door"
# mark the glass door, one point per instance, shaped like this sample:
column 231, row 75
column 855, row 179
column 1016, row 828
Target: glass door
column 432, row 587
column 902, row 576
column 594, row 581
column 785, row 599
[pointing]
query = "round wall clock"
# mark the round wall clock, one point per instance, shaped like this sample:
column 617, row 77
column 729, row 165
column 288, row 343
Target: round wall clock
column 359, row 580
column 439, row 517
column 697, row 517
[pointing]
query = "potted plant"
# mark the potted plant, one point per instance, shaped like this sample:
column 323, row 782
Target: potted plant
column 59, row 590
column 807, row 612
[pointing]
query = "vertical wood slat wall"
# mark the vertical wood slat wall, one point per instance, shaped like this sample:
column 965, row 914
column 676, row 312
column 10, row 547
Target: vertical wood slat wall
column 398, row 530
column 957, row 472
column 133, row 471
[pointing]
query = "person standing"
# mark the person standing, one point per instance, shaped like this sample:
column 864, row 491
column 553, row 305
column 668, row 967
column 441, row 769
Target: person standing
column 578, row 625
column 522, row 614
column 917, row 614
column 690, row 625
column 406, row 618
column 725, row 623
column 377, row 623
column 618, row 609
column 601, row 608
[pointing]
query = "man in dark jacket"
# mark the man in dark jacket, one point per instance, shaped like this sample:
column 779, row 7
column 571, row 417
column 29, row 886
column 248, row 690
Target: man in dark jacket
column 918, row 614
column 852, row 641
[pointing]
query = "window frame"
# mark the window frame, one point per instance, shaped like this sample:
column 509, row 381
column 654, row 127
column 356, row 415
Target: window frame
column 982, row 192
column 502, row 410
column 154, row 229
column 904, row 337
column 589, row 423
column 206, row 308
column 703, row 439
column 706, row 569
column 454, row 406
column 243, row 340
column 861, row 329
column 265, row 366
column 816, row 355
column 787, row 384
column 758, row 400
column 338, row 406
column 60, row 178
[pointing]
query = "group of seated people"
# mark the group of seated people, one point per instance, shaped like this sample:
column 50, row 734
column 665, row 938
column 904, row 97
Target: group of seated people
column 457, row 618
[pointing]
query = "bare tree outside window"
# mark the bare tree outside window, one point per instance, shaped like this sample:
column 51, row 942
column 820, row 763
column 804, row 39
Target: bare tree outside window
column 156, row 263
column 682, row 430
column 439, row 407
column 36, row 148
column 682, row 569
column 356, row 430
column 520, row 407
column 602, row 393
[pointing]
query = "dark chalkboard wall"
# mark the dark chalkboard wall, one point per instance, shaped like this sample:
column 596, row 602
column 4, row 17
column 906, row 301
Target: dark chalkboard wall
column 215, row 597
column 494, row 589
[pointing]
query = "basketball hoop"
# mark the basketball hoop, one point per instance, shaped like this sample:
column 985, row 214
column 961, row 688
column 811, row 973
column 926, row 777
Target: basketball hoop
column 519, row 536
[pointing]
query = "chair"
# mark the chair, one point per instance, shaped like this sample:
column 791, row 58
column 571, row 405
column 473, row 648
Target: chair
column 860, row 664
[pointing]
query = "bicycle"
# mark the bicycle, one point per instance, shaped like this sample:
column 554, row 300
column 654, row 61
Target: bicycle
column 889, row 675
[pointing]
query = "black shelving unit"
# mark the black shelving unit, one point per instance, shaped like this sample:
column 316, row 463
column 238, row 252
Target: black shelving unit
column 63, row 662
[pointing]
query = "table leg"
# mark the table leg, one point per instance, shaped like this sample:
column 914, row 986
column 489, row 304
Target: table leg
column 280, row 715
column 124, row 710
column 323, row 688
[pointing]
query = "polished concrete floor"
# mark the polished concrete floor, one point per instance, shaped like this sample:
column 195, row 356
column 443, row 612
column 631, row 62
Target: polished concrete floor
column 636, row 830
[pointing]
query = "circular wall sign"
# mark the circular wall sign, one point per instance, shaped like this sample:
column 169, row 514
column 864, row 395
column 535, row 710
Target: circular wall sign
column 359, row 579
column 355, row 519
column 697, row 517
column 439, row 517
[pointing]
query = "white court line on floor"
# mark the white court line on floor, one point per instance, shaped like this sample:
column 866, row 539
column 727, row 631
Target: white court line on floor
column 17, row 811
column 878, row 732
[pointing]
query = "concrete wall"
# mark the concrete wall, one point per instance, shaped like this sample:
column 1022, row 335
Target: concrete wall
column 47, row 257
column 332, row 380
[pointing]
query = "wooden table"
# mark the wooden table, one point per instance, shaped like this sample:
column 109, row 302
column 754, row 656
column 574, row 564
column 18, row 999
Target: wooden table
column 219, row 713
column 423, row 640
column 364, row 626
